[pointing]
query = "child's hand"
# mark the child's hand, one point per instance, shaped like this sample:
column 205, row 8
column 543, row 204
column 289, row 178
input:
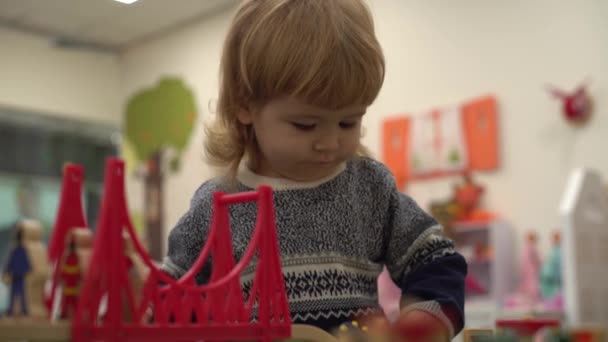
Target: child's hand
column 418, row 325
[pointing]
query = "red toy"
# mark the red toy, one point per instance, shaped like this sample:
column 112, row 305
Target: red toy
column 183, row 311
column 576, row 106
column 70, row 281
column 70, row 215
column 526, row 327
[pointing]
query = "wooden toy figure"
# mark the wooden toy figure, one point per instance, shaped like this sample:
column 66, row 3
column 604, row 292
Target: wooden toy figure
column 70, row 279
column 17, row 268
column 69, row 272
column 36, row 279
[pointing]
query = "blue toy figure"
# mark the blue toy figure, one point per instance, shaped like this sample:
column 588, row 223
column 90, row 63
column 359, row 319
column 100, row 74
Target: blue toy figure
column 551, row 277
column 17, row 268
column 551, row 273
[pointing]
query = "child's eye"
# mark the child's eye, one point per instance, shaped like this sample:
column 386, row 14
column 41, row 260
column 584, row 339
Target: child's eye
column 348, row 124
column 303, row 127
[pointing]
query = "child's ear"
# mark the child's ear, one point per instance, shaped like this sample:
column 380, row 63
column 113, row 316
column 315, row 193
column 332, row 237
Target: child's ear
column 245, row 116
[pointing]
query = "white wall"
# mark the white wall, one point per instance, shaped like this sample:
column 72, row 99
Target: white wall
column 194, row 55
column 441, row 53
column 35, row 76
column 444, row 52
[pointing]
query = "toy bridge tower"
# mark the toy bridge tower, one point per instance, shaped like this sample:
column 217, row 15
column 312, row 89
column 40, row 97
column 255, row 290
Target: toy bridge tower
column 70, row 215
column 183, row 310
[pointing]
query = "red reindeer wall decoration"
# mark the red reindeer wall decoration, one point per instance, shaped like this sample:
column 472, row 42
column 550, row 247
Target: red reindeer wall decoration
column 577, row 105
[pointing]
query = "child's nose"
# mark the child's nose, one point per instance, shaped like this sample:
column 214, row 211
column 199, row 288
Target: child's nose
column 327, row 143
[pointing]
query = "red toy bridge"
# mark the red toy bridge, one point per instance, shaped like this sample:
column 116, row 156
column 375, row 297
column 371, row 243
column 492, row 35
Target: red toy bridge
column 183, row 311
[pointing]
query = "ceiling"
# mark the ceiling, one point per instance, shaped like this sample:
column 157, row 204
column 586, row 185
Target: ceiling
column 104, row 24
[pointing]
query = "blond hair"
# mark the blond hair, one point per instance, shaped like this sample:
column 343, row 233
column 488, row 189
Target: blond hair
column 323, row 52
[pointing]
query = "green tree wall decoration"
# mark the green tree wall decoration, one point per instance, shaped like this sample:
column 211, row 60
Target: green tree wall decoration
column 158, row 125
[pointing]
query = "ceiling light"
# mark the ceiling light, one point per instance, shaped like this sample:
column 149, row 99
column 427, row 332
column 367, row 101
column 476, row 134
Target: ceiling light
column 126, row 1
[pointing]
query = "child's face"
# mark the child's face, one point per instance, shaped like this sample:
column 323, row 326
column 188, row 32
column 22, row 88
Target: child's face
column 304, row 142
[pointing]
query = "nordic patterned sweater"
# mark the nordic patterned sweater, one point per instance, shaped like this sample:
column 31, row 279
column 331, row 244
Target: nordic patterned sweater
column 335, row 235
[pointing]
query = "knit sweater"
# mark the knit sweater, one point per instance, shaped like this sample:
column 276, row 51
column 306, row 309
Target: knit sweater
column 334, row 236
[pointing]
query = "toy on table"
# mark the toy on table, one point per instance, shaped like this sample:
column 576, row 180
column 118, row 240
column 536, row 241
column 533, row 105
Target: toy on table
column 551, row 276
column 352, row 332
column 71, row 275
column 26, row 270
column 70, row 217
column 376, row 329
column 473, row 286
column 476, row 335
column 15, row 272
column 525, row 329
column 73, row 265
column 216, row 311
column 528, row 292
column 389, row 296
column 537, row 331
column 37, row 277
column 379, row 329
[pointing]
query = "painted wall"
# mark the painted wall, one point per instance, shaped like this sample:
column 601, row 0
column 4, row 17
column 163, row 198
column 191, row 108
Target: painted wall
column 36, row 76
column 437, row 54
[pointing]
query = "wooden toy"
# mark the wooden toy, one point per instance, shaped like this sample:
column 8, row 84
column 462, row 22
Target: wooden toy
column 39, row 272
column 70, row 216
column 27, row 270
column 80, row 244
column 475, row 335
column 17, row 268
column 71, row 276
column 525, row 329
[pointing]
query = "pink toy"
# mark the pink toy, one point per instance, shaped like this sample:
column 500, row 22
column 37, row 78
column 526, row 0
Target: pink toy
column 183, row 311
column 531, row 264
column 473, row 286
column 528, row 292
column 389, row 296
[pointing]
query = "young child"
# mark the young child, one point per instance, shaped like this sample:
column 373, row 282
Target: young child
column 297, row 77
